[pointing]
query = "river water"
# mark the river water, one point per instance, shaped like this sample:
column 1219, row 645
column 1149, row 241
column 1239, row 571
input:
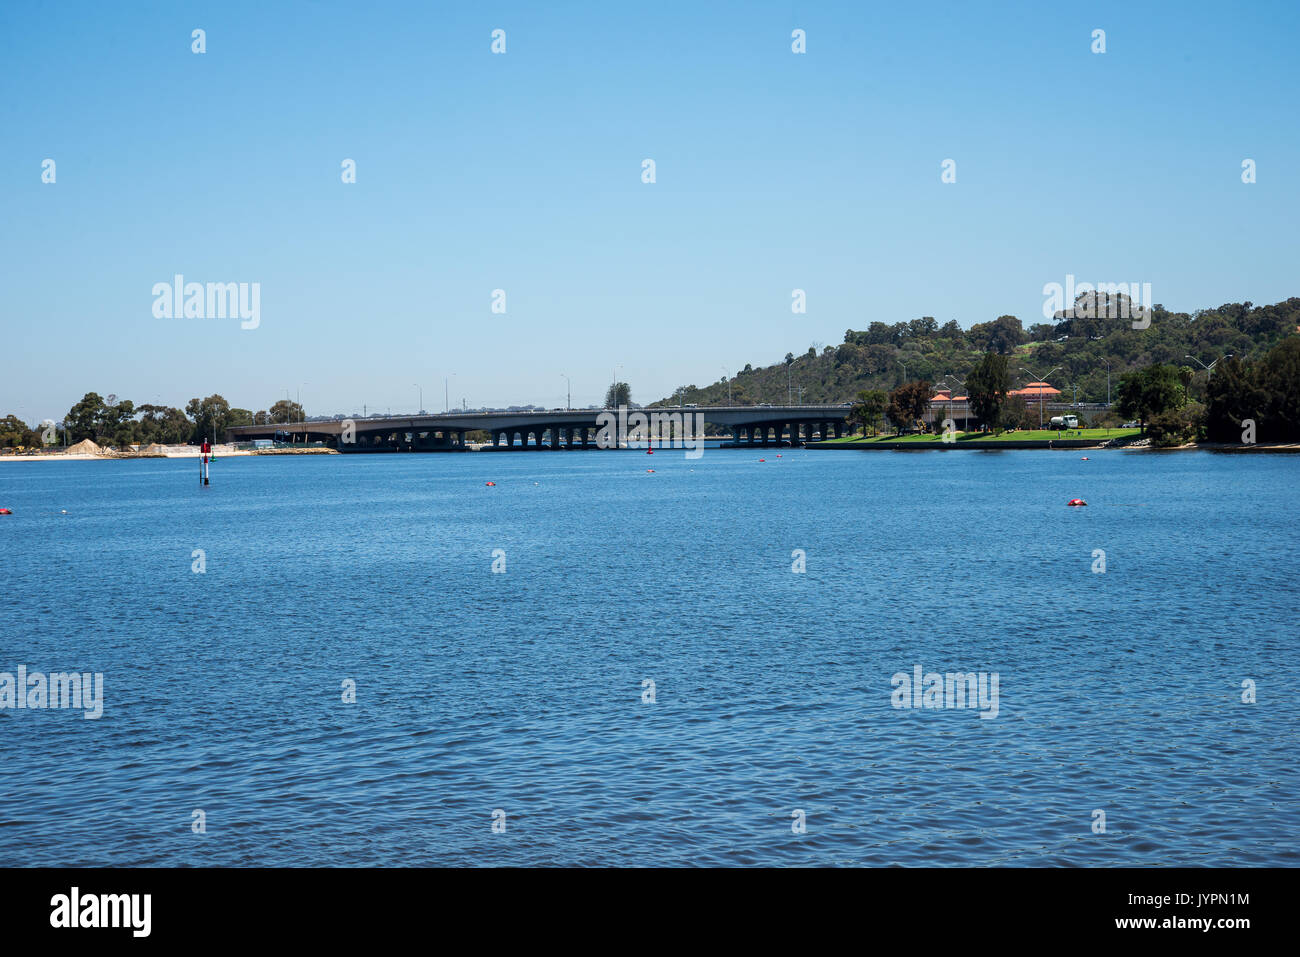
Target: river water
column 229, row 622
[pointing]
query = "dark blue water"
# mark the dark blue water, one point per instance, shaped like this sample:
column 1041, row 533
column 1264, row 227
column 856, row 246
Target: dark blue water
column 522, row 691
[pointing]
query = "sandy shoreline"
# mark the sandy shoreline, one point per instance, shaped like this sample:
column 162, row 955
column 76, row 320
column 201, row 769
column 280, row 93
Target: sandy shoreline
column 219, row 452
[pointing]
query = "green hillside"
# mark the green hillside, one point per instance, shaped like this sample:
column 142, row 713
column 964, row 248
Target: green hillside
column 874, row 358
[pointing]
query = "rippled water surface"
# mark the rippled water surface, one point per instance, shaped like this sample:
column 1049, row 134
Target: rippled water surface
column 1119, row 692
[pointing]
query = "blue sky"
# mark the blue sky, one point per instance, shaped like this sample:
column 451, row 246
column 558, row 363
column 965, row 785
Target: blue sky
column 522, row 172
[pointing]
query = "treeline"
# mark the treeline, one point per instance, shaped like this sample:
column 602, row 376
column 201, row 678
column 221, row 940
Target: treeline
column 1264, row 392
column 1247, row 401
column 1096, row 331
column 120, row 422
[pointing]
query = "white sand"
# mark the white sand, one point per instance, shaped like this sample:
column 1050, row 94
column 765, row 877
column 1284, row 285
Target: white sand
column 168, row 451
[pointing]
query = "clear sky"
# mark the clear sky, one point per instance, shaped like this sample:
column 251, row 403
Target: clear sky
column 523, row 172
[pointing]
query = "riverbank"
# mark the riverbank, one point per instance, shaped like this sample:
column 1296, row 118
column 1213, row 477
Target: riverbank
column 1130, row 441
column 168, row 452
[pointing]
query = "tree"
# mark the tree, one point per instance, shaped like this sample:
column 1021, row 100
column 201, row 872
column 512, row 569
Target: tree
column 164, row 425
column 84, row 419
column 620, row 393
column 1265, row 392
column 14, row 432
column 117, row 423
column 287, row 411
column 987, row 386
column 868, row 409
column 1150, row 391
column 1001, row 335
column 1015, row 414
column 209, row 415
column 908, row 403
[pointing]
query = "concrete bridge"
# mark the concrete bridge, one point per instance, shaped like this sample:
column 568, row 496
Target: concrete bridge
column 553, row 429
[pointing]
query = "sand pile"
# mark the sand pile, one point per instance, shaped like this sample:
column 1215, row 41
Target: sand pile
column 85, row 447
column 154, row 449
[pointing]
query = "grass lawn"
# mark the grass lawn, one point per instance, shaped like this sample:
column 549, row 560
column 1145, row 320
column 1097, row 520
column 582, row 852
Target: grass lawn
column 1035, row 435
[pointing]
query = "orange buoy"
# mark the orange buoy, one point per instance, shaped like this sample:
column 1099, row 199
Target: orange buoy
column 1075, row 502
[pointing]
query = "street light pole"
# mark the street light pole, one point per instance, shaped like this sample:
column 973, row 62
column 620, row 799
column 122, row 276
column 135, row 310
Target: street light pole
column 569, row 400
column 1209, row 370
column 1039, row 379
column 965, row 419
column 421, row 388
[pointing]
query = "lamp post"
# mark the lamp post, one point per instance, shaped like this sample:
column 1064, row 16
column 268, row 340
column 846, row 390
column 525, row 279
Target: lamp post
column 1039, row 379
column 1209, row 370
column 569, row 400
column 965, row 418
column 614, row 397
column 446, row 392
column 421, row 388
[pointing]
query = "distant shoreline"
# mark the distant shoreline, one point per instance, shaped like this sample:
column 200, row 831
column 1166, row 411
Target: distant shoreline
column 219, row 452
column 1062, row 445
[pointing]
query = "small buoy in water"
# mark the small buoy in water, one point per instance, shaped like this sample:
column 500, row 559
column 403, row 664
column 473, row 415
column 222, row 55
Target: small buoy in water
column 1084, row 459
column 649, row 451
column 1076, row 501
column 5, row 511
column 63, row 511
column 491, row 483
column 649, row 470
column 762, row 460
column 537, row 483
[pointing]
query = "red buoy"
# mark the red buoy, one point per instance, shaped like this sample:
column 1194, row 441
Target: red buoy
column 1075, row 502
column 5, row 511
column 490, row 483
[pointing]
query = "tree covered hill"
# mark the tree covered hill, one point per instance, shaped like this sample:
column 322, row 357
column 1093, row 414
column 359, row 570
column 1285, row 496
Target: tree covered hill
column 1080, row 341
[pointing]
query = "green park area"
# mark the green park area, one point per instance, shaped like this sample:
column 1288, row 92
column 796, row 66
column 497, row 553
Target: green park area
column 976, row 438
